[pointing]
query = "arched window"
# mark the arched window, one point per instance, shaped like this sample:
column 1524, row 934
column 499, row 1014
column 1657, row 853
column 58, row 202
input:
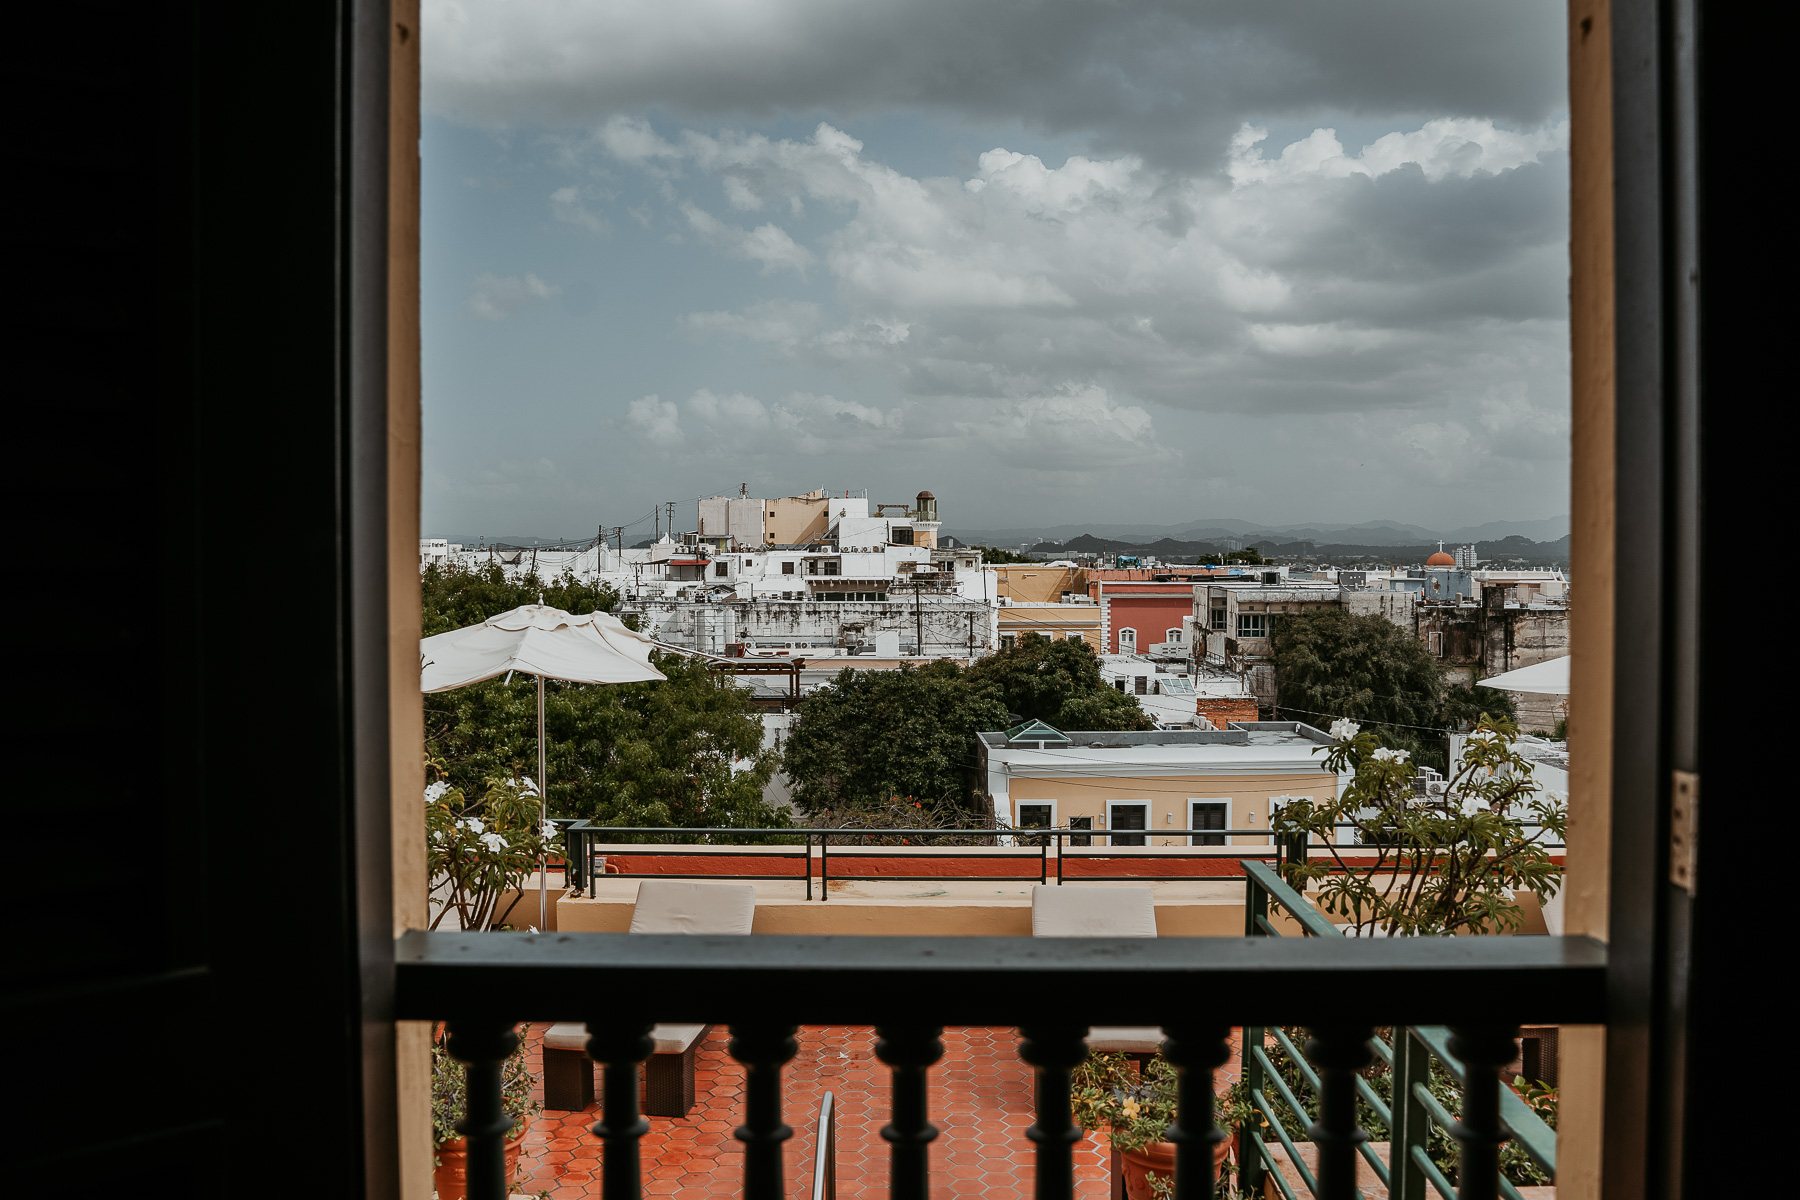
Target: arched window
column 1171, row 635
column 1127, row 641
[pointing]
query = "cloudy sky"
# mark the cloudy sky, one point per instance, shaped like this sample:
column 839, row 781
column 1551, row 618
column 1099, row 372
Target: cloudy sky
column 1055, row 260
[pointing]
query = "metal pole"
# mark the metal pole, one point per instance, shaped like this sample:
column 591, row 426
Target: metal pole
column 543, row 783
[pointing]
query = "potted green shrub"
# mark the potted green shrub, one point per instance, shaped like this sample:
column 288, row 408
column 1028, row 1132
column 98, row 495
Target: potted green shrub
column 449, row 1099
column 1136, row 1111
column 478, row 852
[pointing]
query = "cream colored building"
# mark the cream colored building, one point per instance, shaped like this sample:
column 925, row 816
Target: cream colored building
column 1054, row 621
column 1129, row 786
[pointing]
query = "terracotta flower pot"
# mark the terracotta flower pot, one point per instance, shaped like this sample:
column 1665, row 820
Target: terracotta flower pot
column 1157, row 1158
column 451, row 1175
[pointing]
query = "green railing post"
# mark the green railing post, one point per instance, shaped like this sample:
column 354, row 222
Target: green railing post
column 1250, row 1163
column 1412, row 1125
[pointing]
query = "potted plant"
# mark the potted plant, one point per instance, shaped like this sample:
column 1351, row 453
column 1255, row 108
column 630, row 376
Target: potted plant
column 449, row 1099
column 1136, row 1110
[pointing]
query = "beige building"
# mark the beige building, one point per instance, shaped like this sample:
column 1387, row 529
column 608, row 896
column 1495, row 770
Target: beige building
column 1054, row 621
column 1130, row 786
column 1040, row 583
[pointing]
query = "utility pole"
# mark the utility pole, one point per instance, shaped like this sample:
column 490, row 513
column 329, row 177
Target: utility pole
column 619, row 537
column 671, row 505
column 971, row 638
column 656, row 526
column 918, row 622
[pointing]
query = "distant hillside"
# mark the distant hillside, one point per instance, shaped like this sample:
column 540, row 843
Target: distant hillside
column 1395, row 534
column 1509, row 550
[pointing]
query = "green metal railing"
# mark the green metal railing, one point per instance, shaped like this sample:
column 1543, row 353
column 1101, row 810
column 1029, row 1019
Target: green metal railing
column 1409, row 1116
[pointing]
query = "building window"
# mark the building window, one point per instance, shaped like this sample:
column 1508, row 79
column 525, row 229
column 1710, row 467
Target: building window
column 1141, row 684
column 1218, row 619
column 1434, row 642
column 831, row 566
column 1127, row 641
column 1253, row 625
column 787, row 568
column 1127, row 821
column 1008, row 640
column 719, row 568
column 1208, row 814
column 1119, row 683
column 1035, row 816
column 902, row 536
column 1171, row 635
column 1081, row 839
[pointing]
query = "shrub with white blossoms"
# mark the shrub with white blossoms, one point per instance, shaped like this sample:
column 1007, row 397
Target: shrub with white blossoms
column 1447, row 859
column 479, row 851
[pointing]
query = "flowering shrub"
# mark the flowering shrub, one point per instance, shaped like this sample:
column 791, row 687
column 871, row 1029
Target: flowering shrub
column 476, row 852
column 449, row 1090
column 1135, row 1110
column 1448, row 856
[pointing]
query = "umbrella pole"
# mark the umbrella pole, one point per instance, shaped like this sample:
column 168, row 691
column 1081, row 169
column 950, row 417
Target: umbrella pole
column 543, row 782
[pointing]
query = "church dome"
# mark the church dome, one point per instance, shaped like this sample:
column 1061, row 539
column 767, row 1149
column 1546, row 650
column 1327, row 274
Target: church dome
column 1440, row 559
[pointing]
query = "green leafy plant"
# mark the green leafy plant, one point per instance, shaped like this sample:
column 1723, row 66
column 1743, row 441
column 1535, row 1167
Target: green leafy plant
column 450, row 1091
column 1448, row 857
column 477, row 852
column 1135, row 1110
column 1058, row 682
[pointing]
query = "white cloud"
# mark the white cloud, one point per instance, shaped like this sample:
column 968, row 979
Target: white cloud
column 566, row 206
column 496, row 297
column 658, row 419
column 767, row 244
column 1445, row 148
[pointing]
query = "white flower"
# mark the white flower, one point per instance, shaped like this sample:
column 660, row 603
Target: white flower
column 549, row 831
column 1472, row 806
column 526, row 786
column 1386, row 755
column 494, row 842
column 436, row 791
column 1343, row 730
column 473, row 825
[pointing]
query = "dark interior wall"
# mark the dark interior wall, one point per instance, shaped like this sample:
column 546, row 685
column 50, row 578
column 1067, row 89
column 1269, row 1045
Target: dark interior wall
column 197, row 883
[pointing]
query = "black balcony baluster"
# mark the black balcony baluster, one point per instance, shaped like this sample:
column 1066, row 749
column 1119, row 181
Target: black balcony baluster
column 909, row 1049
column 482, row 1046
column 763, row 1049
column 620, row 1046
column 1054, row 1050
column 1338, row 1052
column 1483, row 1051
column 1196, row 1052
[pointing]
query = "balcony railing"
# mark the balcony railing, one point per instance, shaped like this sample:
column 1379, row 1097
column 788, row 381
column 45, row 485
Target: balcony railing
column 1059, row 855
column 765, row 986
column 1410, row 1110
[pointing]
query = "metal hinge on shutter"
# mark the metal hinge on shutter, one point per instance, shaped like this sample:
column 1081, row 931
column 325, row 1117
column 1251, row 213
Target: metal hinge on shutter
column 1684, row 829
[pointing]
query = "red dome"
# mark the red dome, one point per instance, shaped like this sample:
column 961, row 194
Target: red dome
column 1440, row 559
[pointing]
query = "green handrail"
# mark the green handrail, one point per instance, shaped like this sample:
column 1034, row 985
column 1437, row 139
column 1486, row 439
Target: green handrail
column 1414, row 1109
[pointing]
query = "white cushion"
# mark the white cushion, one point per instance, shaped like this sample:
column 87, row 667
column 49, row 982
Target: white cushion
column 687, row 906
column 1132, row 1039
column 675, row 1039
column 669, row 1039
column 566, row 1035
column 1092, row 911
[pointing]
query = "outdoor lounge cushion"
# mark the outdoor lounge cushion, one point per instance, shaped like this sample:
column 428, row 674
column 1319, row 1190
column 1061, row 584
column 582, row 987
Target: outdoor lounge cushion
column 686, row 906
column 669, row 1039
column 1100, row 912
column 1092, row 911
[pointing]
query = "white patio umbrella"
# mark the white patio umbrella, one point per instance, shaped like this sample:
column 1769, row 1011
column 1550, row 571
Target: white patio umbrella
column 1550, row 678
column 549, row 643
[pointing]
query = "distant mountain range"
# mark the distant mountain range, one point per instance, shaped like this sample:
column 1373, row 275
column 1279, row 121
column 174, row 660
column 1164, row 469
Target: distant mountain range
column 1511, row 549
column 1247, row 533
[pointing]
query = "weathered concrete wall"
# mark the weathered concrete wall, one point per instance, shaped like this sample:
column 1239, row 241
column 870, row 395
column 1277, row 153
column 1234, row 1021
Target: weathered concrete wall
column 1220, row 710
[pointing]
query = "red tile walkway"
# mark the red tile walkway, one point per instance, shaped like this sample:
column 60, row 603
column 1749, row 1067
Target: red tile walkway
column 981, row 1102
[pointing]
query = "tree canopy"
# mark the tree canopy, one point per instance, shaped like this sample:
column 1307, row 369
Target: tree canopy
column 993, row 556
column 1331, row 664
column 871, row 736
column 682, row 752
column 1058, row 682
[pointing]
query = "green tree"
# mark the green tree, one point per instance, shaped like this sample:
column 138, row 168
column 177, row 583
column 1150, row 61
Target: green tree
column 1058, row 682
column 682, row 752
column 870, row 736
column 992, row 556
column 1465, row 705
column 1331, row 664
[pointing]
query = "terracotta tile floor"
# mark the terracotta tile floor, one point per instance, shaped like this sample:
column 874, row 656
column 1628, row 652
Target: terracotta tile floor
column 980, row 1102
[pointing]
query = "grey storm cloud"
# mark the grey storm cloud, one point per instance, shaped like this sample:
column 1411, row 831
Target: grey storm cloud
column 1312, row 254
column 1169, row 80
